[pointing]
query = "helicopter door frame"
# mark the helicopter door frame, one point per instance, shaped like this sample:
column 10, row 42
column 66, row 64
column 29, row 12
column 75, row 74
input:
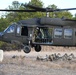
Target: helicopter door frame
column 22, row 30
column 74, row 36
column 18, row 30
column 41, row 36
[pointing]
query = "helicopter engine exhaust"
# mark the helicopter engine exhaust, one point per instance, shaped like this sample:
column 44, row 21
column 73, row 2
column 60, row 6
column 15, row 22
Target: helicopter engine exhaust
column 37, row 48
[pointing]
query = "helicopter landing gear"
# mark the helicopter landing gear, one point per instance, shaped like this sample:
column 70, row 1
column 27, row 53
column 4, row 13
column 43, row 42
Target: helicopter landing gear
column 37, row 48
column 27, row 49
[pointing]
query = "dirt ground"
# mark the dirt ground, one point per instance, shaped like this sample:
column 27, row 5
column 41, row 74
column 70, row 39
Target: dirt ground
column 19, row 63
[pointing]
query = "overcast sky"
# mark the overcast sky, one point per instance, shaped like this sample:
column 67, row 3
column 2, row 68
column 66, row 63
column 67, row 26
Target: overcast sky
column 58, row 3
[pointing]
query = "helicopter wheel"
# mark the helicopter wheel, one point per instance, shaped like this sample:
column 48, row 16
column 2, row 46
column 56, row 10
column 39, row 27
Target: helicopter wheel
column 27, row 49
column 37, row 48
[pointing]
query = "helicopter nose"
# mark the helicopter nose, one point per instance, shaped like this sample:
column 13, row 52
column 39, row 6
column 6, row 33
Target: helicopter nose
column 1, row 35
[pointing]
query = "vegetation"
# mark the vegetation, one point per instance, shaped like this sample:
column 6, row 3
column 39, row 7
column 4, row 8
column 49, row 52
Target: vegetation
column 11, row 17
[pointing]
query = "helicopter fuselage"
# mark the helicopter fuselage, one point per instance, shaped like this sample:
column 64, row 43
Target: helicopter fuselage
column 41, row 31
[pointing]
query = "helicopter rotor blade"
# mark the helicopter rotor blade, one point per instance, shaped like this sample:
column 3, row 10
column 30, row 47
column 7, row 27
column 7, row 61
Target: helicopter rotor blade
column 17, row 10
column 35, row 7
column 65, row 9
column 47, row 9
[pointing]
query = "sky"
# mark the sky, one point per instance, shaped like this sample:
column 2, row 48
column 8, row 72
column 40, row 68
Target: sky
column 59, row 3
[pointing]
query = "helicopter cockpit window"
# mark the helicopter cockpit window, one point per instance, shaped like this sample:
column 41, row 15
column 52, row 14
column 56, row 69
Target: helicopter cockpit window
column 67, row 33
column 10, row 29
column 57, row 32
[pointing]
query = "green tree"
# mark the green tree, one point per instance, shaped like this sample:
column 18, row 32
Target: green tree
column 38, row 3
column 16, row 16
column 65, row 14
column 15, row 5
column 13, row 16
column 3, row 23
column 59, row 14
column 52, row 6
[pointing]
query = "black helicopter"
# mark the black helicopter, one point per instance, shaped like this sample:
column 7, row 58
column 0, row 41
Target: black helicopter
column 40, row 31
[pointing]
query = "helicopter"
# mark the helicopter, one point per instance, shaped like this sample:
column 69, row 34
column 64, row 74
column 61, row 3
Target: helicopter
column 35, row 32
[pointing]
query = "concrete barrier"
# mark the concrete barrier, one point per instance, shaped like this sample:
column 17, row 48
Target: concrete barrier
column 1, row 55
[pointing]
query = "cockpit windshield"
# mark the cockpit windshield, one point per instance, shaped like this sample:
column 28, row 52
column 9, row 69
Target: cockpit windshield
column 10, row 29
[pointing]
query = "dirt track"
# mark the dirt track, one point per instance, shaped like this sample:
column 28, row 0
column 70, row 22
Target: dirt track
column 19, row 63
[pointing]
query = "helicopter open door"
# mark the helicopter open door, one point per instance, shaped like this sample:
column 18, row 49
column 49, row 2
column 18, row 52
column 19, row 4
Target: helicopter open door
column 43, row 36
column 22, row 33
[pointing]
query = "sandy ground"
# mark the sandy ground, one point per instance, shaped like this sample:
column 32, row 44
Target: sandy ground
column 27, row 64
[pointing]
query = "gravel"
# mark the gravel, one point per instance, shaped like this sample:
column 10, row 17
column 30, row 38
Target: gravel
column 27, row 65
